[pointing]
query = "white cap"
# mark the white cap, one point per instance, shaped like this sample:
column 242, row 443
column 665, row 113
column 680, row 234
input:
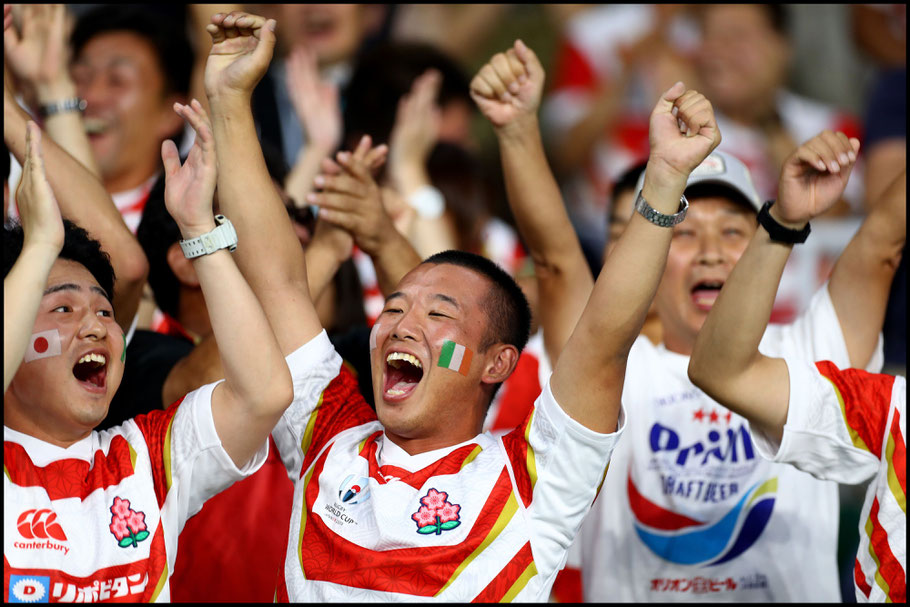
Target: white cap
column 723, row 169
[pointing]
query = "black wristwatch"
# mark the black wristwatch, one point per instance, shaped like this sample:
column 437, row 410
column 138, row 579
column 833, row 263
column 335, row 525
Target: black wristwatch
column 779, row 233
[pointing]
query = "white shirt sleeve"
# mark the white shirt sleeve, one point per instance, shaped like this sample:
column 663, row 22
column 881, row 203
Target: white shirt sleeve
column 816, row 438
column 202, row 468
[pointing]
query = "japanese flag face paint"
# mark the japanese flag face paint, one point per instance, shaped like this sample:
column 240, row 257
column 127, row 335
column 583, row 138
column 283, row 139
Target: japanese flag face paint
column 455, row 357
column 42, row 345
column 373, row 333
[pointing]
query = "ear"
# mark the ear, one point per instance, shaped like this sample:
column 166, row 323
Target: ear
column 499, row 362
column 181, row 266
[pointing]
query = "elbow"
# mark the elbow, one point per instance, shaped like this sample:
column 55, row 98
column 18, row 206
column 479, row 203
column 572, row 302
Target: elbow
column 279, row 395
column 700, row 373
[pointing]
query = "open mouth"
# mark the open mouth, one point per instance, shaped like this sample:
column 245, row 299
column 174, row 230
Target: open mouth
column 705, row 293
column 402, row 374
column 91, row 370
column 95, row 126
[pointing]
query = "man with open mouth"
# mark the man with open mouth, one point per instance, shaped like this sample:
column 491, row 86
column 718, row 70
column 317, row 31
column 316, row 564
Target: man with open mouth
column 413, row 501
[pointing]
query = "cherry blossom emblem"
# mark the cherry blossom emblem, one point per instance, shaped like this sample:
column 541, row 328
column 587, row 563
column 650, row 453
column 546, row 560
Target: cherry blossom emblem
column 436, row 514
column 127, row 525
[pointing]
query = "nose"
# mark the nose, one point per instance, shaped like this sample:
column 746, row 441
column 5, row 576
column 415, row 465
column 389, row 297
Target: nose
column 406, row 327
column 710, row 251
column 91, row 327
column 93, row 90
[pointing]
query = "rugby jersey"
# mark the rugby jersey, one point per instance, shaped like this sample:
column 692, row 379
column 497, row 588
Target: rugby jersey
column 489, row 519
column 99, row 520
column 849, row 426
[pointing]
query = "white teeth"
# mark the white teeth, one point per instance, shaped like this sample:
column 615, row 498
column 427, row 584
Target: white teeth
column 394, row 392
column 97, row 358
column 410, row 358
column 94, row 125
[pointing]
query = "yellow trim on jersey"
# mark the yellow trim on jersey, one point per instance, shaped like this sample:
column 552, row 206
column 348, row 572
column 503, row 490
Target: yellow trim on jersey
column 308, row 433
column 362, row 443
column 899, row 496
column 133, row 456
column 854, row 435
column 306, row 481
column 532, row 466
column 471, row 456
column 166, row 454
column 508, row 511
column 767, row 487
column 6, row 473
column 520, row 583
column 602, row 479
column 878, row 574
column 160, row 585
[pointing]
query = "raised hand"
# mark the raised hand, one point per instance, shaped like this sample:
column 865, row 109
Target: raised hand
column 682, row 132
column 813, row 177
column 242, row 46
column 509, row 86
column 38, row 53
column 351, row 199
column 189, row 189
column 315, row 101
column 38, row 210
column 415, row 133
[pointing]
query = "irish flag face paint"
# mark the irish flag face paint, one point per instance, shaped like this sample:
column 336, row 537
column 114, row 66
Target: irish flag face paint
column 43, row 345
column 455, row 357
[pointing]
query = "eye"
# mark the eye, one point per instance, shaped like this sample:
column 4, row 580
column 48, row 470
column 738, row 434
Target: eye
column 439, row 314
column 105, row 313
column 733, row 232
column 683, row 233
column 62, row 309
column 392, row 311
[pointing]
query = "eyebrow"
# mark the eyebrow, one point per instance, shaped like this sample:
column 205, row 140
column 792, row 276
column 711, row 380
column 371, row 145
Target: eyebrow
column 70, row 286
column 444, row 298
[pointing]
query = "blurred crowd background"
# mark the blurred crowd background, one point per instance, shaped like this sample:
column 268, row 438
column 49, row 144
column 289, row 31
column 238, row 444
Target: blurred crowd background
column 776, row 75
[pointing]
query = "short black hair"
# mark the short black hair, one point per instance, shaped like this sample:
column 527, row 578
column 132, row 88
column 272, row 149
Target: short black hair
column 78, row 246
column 508, row 310
column 383, row 75
column 164, row 29
column 156, row 233
column 629, row 179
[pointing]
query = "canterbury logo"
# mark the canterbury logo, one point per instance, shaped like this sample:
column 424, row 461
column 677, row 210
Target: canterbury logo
column 40, row 524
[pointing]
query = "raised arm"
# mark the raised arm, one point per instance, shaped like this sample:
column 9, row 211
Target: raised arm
column 507, row 90
column 83, row 200
column 725, row 360
column 861, row 279
column 271, row 257
column 42, row 229
column 257, row 384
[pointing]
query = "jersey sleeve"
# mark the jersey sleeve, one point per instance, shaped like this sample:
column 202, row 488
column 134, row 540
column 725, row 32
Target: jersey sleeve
column 816, row 335
column 326, row 400
column 559, row 466
column 835, row 422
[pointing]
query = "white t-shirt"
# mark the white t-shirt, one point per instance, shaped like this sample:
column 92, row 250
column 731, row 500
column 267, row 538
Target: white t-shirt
column 99, row 520
column 849, row 427
column 488, row 519
column 690, row 512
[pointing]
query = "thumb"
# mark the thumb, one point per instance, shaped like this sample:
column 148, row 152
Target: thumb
column 170, row 158
column 665, row 103
column 266, row 44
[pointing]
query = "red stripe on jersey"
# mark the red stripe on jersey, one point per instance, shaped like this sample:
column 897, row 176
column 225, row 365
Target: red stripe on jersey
column 652, row 515
column 860, row 578
column 567, row 588
column 450, row 464
column 502, row 583
column 889, row 567
column 328, row 557
column 899, row 457
column 342, row 407
column 517, row 449
column 867, row 400
column 574, row 70
column 132, row 582
column 70, row 477
column 154, row 427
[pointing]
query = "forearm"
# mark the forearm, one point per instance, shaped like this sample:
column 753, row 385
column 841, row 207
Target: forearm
column 394, row 258
column 83, row 200
column 66, row 128
column 22, row 291
column 323, row 262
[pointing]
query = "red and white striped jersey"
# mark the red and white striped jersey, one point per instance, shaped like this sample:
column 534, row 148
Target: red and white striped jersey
column 99, row 520
column 489, row 519
column 849, row 426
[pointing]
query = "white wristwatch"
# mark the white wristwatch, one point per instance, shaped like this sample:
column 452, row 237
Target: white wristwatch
column 222, row 237
column 427, row 201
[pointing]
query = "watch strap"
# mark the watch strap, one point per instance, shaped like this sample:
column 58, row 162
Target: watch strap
column 656, row 217
column 64, row 105
column 224, row 236
column 776, row 231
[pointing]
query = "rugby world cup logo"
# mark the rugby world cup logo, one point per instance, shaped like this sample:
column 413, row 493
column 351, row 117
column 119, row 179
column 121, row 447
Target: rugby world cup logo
column 354, row 489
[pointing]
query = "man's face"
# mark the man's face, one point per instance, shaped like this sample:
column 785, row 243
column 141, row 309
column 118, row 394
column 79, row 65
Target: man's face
column 434, row 303
column 620, row 213
column 742, row 58
column 704, row 249
column 128, row 114
column 58, row 398
column 333, row 31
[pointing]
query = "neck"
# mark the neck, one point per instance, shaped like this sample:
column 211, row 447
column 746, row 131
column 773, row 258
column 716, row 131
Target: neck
column 416, row 446
column 128, row 180
column 42, row 429
column 678, row 343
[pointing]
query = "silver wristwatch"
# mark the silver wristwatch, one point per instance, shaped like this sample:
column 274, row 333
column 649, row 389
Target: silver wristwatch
column 658, row 218
column 64, row 105
column 222, row 237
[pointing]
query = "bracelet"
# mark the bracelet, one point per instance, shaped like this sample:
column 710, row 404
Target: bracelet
column 427, row 201
column 661, row 219
column 777, row 232
column 64, row 105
